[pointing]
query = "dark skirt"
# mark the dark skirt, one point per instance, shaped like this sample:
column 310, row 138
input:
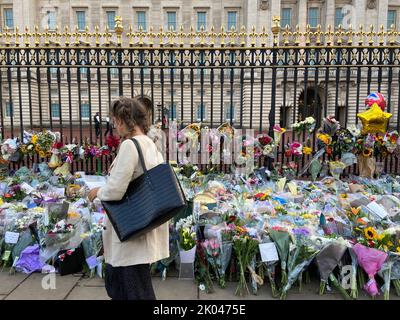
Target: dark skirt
column 129, row 283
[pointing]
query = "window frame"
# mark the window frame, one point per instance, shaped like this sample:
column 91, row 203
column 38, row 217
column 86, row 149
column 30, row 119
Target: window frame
column 168, row 12
column 84, row 10
column 198, row 111
column 49, row 13
column 341, row 17
column 198, row 26
column 85, row 103
column 108, row 11
column 396, row 12
column 230, row 11
column 9, row 109
column 4, row 9
column 52, row 110
column 318, row 17
column 283, row 26
column 228, row 109
column 137, row 19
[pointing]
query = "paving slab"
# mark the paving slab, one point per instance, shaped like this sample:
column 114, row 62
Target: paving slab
column 91, row 282
column 88, row 293
column 9, row 282
column 228, row 293
column 174, row 289
column 32, row 289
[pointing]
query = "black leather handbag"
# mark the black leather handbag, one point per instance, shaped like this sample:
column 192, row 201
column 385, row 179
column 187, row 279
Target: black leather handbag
column 150, row 200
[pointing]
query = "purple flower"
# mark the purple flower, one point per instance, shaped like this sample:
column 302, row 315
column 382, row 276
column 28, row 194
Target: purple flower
column 301, row 232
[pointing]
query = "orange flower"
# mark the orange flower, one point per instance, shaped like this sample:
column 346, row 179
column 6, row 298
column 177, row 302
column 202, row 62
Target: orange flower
column 355, row 211
column 329, row 150
column 361, row 221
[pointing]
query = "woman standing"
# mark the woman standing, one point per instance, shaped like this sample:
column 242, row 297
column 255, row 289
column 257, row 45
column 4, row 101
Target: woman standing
column 127, row 274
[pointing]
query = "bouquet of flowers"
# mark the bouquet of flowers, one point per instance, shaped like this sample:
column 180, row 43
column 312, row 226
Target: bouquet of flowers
column 44, row 142
column 308, row 124
column 330, row 126
column 245, row 249
column 278, row 132
column 9, row 149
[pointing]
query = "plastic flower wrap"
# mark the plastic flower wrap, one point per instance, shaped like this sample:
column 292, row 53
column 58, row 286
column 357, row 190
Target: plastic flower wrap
column 371, row 260
column 8, row 148
column 330, row 125
column 336, row 168
column 278, row 132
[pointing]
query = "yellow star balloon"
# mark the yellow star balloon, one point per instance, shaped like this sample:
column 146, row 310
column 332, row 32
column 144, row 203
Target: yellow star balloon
column 374, row 120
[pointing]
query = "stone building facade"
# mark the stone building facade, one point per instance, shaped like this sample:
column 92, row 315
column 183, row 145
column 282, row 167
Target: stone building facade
column 50, row 98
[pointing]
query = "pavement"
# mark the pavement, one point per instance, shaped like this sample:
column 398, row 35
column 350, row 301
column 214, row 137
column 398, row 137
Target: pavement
column 81, row 287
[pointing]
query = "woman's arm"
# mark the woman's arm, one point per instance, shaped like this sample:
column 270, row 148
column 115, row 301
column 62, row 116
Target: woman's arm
column 121, row 173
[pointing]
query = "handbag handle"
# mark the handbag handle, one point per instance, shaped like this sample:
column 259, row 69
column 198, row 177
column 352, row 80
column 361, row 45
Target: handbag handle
column 142, row 163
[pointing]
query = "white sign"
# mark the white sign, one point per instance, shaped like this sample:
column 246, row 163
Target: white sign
column 268, row 252
column 11, row 237
column 94, row 181
column 377, row 209
column 27, row 188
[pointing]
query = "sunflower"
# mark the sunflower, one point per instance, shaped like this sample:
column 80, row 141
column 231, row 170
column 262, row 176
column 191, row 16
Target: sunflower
column 367, row 152
column 42, row 154
column 398, row 249
column 370, row 233
column 343, row 195
column 34, row 139
column 325, row 138
column 37, row 148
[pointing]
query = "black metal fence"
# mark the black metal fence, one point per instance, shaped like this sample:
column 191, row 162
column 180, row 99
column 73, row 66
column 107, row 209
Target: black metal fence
column 61, row 88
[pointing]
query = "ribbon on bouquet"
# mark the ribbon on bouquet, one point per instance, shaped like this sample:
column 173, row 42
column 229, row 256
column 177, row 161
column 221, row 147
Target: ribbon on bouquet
column 255, row 276
column 315, row 158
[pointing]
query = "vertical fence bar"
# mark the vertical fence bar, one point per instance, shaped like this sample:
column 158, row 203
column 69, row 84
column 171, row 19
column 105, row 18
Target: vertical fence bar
column 11, row 102
column 1, row 105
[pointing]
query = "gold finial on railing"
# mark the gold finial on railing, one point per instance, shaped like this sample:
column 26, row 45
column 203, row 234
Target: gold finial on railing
column 140, row 34
column 263, row 36
column 37, row 36
column 119, row 29
column 286, row 35
column 107, row 36
column 67, row 36
column 212, row 36
column 222, row 35
column 27, row 36
column 371, row 34
column 97, row 35
column 17, row 35
column 318, row 34
column 161, row 36
column 392, row 35
column 340, row 33
column 253, row 36
column 307, row 35
column 276, row 28
column 76, row 34
column 181, row 35
column 360, row 34
column 87, row 35
column 151, row 36
column 297, row 35
column 57, row 36
column 202, row 35
column 349, row 34
column 232, row 36
column 171, row 36
column 329, row 35
column 381, row 35
column 47, row 35
column 242, row 36
column 7, row 35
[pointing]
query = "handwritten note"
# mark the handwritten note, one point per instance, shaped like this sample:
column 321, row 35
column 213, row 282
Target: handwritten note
column 268, row 252
column 11, row 237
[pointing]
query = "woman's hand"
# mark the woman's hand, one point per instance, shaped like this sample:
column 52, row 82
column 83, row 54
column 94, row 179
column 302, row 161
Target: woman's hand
column 93, row 194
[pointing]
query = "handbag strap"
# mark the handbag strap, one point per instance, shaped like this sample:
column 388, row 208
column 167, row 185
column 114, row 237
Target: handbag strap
column 140, row 153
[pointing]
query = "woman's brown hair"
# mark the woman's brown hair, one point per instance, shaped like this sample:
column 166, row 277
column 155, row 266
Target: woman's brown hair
column 132, row 112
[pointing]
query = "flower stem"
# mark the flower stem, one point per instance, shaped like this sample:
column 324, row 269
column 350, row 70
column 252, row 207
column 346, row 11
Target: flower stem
column 397, row 286
column 336, row 284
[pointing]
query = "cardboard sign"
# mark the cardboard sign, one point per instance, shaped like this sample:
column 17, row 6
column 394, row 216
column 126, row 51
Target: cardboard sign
column 268, row 252
column 11, row 237
column 27, row 188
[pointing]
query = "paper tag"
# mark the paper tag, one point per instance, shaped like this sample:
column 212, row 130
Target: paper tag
column 6, row 255
column 268, row 252
column 59, row 191
column 27, row 188
column 11, row 237
column 377, row 209
column 92, row 262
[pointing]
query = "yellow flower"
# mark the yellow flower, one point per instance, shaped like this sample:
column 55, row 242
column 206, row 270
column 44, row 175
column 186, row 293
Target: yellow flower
column 307, row 150
column 370, row 233
column 367, row 152
column 42, row 154
column 343, row 195
column 325, row 138
column 390, row 244
column 398, row 249
column 37, row 148
column 34, row 139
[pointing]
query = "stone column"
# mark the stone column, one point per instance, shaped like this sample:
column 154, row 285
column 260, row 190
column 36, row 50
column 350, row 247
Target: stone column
column 382, row 8
column 359, row 13
column 330, row 14
column 25, row 13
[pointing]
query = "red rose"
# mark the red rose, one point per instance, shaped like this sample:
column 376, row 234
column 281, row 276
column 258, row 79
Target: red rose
column 288, row 153
column 264, row 140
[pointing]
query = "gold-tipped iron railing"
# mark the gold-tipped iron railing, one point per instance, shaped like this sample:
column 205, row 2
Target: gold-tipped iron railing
column 276, row 36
